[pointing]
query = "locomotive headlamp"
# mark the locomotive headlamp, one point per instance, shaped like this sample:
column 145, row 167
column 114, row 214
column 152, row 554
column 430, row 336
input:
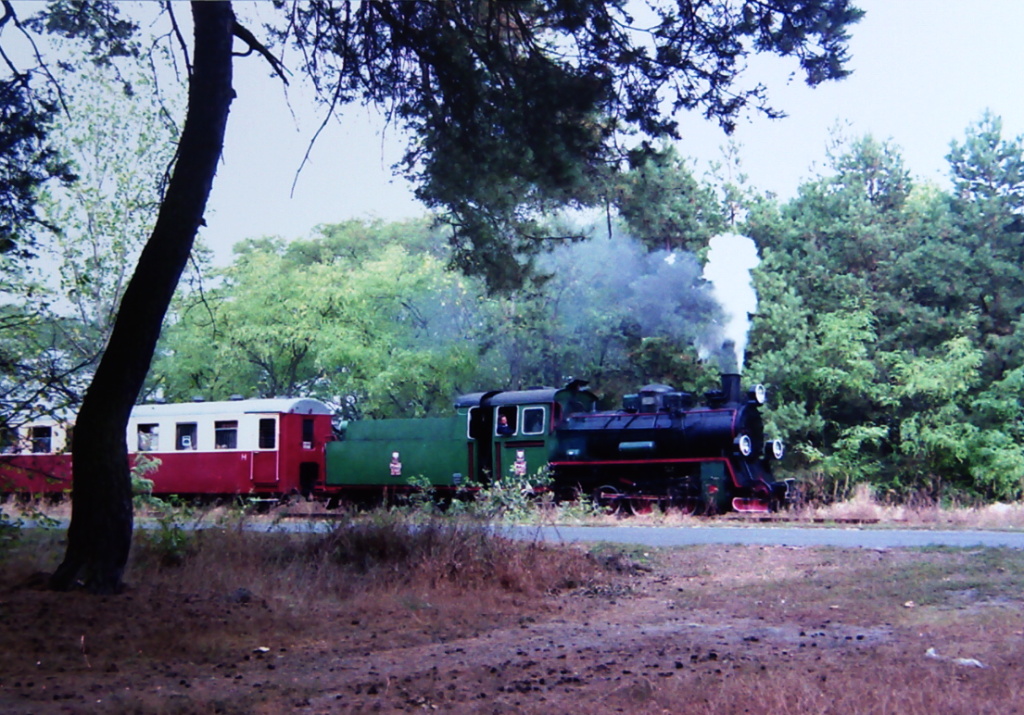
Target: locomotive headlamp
column 774, row 449
column 745, row 445
column 758, row 394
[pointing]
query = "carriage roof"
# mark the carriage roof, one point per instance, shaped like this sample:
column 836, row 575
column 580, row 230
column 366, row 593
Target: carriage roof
column 511, row 397
column 277, row 405
column 533, row 396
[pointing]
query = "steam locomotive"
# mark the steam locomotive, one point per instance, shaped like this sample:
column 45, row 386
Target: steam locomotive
column 661, row 449
column 664, row 448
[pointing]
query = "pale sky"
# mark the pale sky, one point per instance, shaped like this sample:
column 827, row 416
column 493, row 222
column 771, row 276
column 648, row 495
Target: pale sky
column 923, row 71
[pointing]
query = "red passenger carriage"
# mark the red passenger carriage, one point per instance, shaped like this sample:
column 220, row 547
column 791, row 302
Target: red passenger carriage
column 259, row 447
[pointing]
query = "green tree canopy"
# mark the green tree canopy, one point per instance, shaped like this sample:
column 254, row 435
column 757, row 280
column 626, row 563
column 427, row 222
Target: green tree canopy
column 354, row 317
column 664, row 205
column 912, row 395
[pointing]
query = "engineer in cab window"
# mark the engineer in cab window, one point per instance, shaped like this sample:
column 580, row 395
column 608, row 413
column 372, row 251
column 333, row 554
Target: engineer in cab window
column 504, row 427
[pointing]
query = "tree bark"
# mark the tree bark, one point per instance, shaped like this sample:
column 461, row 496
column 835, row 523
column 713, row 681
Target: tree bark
column 100, row 534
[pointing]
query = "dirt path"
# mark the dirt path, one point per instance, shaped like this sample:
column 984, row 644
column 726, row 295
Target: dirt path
column 751, row 629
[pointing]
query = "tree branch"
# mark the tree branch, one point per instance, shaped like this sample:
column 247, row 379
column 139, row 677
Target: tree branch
column 248, row 38
column 9, row 15
column 169, row 6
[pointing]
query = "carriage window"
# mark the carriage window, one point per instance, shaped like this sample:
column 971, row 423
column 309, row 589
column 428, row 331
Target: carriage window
column 149, row 438
column 185, row 437
column 307, row 433
column 533, row 420
column 9, row 440
column 506, row 420
column 41, row 439
column 226, row 434
column 268, row 433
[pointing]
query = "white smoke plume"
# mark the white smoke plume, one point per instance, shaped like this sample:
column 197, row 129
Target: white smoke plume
column 730, row 259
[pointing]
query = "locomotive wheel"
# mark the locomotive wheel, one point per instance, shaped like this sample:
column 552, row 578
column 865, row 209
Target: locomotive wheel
column 639, row 506
column 685, row 497
column 689, row 505
column 607, row 499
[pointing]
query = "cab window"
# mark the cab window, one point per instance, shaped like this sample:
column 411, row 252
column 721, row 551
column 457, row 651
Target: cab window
column 533, row 420
column 476, row 424
column 506, row 422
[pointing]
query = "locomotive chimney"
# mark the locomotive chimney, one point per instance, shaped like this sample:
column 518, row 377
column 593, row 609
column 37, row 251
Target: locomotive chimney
column 731, row 390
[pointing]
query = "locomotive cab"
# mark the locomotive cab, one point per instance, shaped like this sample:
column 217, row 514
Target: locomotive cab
column 512, row 432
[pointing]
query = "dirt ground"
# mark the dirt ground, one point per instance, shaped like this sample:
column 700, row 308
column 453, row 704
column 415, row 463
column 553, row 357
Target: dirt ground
column 703, row 629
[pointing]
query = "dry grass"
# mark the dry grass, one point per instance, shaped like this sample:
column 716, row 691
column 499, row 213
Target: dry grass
column 391, row 552
column 863, row 506
column 866, row 684
column 383, row 552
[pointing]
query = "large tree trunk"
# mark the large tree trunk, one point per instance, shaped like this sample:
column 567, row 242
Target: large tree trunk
column 100, row 534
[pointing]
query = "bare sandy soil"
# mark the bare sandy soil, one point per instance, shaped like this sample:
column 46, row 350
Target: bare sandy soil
column 704, row 629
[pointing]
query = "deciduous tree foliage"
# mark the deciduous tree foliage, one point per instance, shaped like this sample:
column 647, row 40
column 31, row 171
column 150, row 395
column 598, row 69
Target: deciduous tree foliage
column 60, row 307
column 50, row 352
column 358, row 318
column 26, row 160
column 29, row 104
column 34, row 375
column 120, row 144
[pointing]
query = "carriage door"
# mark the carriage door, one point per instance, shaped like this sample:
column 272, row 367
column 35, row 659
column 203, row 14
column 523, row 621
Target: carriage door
column 264, row 458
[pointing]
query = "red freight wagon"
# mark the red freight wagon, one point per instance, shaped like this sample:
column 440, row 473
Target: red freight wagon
column 268, row 446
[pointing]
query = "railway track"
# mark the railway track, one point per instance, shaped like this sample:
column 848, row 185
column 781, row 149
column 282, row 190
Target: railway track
column 726, row 518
